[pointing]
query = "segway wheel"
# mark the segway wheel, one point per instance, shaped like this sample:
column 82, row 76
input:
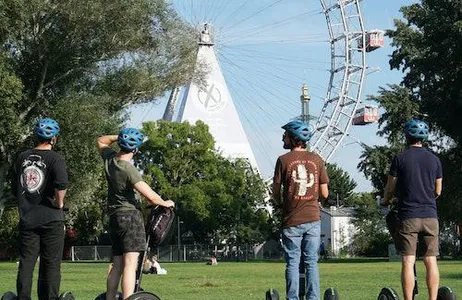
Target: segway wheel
column 9, row 296
column 388, row 294
column 272, row 294
column 331, row 294
column 66, row 296
column 143, row 296
column 446, row 293
column 103, row 296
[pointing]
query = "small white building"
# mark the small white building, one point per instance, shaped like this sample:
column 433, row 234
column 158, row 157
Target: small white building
column 337, row 229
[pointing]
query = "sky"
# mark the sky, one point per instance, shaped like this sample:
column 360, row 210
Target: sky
column 267, row 49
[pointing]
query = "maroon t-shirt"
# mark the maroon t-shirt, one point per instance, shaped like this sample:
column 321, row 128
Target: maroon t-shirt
column 300, row 173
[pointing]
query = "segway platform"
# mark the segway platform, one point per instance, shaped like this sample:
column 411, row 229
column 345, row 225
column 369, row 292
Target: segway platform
column 388, row 294
column 63, row 296
column 9, row 296
column 331, row 294
column 272, row 294
column 445, row 293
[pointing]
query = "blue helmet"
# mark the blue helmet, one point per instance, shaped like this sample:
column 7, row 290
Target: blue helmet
column 46, row 128
column 416, row 129
column 129, row 139
column 299, row 130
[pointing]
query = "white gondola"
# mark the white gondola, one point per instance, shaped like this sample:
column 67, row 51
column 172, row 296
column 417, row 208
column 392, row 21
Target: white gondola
column 366, row 115
column 374, row 40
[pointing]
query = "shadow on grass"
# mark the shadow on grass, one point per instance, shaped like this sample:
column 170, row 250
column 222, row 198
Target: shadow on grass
column 354, row 260
column 451, row 276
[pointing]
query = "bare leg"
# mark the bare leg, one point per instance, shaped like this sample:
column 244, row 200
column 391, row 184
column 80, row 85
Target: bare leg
column 130, row 263
column 433, row 276
column 407, row 275
column 113, row 278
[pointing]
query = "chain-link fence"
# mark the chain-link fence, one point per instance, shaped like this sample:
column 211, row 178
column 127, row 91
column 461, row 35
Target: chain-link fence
column 168, row 253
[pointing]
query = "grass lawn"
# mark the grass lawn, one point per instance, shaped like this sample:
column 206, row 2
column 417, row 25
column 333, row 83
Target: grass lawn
column 354, row 280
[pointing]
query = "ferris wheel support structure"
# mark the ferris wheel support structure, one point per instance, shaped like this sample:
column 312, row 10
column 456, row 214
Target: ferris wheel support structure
column 348, row 69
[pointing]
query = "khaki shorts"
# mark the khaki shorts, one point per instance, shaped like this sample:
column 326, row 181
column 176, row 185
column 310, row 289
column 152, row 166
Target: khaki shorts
column 408, row 235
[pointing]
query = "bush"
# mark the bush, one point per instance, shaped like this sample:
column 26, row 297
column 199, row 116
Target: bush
column 9, row 234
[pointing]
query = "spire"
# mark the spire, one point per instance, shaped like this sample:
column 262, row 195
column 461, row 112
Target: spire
column 212, row 103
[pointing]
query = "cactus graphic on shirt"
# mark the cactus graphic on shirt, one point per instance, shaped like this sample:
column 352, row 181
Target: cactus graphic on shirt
column 300, row 176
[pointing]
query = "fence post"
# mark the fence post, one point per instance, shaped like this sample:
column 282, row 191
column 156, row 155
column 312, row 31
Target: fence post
column 72, row 253
column 96, row 253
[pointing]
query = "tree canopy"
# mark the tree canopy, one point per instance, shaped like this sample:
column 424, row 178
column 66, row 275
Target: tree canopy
column 341, row 185
column 215, row 197
column 427, row 45
column 83, row 63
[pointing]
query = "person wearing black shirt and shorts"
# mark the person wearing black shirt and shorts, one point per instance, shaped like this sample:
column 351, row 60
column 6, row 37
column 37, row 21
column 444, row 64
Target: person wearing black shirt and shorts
column 415, row 178
column 40, row 182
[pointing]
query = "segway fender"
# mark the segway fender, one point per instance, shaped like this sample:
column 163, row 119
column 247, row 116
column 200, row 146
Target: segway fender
column 103, row 296
column 143, row 296
column 331, row 294
column 446, row 293
column 66, row 296
column 272, row 294
column 9, row 296
column 388, row 294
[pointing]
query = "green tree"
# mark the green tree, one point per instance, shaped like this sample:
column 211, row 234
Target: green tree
column 427, row 50
column 371, row 237
column 341, row 185
column 216, row 198
column 9, row 233
column 83, row 63
column 10, row 130
column 399, row 106
column 428, row 46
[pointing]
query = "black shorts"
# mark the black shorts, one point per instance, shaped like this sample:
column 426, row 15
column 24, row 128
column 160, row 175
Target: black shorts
column 127, row 232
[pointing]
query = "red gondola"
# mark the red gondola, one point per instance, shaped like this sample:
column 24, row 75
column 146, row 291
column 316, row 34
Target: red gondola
column 374, row 40
column 366, row 115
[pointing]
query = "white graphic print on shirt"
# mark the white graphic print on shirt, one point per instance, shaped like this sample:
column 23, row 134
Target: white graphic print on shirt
column 300, row 176
column 32, row 177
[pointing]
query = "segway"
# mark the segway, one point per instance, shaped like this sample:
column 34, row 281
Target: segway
column 392, row 222
column 12, row 296
column 331, row 294
column 272, row 294
column 445, row 293
column 388, row 293
column 158, row 225
column 9, row 296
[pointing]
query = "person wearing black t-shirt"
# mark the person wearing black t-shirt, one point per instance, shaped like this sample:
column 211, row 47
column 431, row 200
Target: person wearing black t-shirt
column 40, row 182
column 415, row 178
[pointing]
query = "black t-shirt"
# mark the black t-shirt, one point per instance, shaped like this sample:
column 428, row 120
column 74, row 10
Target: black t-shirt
column 37, row 174
column 417, row 170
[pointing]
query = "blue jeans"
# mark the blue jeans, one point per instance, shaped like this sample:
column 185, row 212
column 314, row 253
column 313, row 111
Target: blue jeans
column 297, row 240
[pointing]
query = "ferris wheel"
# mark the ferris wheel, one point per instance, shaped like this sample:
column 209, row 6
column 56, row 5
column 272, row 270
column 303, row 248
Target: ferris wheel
column 272, row 42
column 350, row 43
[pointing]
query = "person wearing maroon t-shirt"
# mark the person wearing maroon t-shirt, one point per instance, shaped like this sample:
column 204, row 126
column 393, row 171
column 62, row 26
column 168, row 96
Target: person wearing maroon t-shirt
column 301, row 176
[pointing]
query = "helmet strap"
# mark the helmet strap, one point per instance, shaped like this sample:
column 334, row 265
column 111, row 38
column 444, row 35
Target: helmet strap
column 53, row 142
